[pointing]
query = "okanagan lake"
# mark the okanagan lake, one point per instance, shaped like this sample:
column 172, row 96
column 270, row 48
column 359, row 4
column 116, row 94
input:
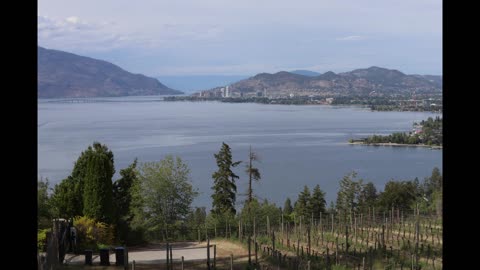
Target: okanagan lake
column 297, row 145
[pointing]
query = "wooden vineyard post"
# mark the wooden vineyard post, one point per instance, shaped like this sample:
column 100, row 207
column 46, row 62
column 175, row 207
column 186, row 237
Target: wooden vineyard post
column 294, row 224
column 288, row 238
column 321, row 226
column 355, row 227
column 256, row 253
column 346, row 239
column 254, row 230
column 249, row 251
column 214, row 256
column 328, row 259
column 171, row 258
column 417, row 229
column 298, row 247
column 373, row 216
column 332, row 222
column 383, row 237
column 208, row 254
column 300, row 230
column 168, row 255
column 268, row 226
column 309, row 242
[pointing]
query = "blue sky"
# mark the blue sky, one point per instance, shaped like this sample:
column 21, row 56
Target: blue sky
column 222, row 37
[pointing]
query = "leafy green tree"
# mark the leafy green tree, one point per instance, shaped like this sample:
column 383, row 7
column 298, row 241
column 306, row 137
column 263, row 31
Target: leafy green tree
column 260, row 212
column 166, row 192
column 302, row 205
column 98, row 186
column 271, row 211
column 317, row 202
column 398, row 194
column 224, row 187
column 44, row 214
column 122, row 198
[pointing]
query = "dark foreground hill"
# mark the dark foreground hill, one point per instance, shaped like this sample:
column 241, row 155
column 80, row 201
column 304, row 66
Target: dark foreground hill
column 63, row 74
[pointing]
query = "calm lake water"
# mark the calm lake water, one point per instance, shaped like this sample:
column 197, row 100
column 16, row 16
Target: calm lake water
column 298, row 145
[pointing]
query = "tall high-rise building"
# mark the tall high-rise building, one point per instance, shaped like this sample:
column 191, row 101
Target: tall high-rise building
column 227, row 91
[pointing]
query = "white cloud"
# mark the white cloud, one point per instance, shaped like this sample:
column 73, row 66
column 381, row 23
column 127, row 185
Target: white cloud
column 72, row 19
column 351, row 38
column 75, row 33
column 72, row 32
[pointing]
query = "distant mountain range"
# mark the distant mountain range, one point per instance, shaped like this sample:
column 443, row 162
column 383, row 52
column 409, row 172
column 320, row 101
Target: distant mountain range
column 433, row 78
column 63, row 74
column 306, row 73
column 192, row 83
column 357, row 82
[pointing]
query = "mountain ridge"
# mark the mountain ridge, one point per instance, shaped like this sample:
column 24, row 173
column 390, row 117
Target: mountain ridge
column 362, row 81
column 63, row 74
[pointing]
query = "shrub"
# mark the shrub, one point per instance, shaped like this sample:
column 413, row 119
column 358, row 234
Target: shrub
column 42, row 239
column 91, row 233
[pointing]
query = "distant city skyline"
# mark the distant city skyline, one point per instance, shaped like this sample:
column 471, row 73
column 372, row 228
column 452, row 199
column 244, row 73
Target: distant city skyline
column 217, row 37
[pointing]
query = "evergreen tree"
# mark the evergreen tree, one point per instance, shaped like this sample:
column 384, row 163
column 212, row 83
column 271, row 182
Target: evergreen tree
column 199, row 216
column 317, row 202
column 253, row 173
column 368, row 196
column 224, row 187
column 122, row 198
column 398, row 194
column 433, row 190
column 98, row 187
column 332, row 209
column 348, row 194
column 302, row 205
column 433, row 183
column 287, row 207
column 67, row 197
column 66, row 200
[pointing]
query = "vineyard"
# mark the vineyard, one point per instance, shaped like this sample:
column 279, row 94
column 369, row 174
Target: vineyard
column 388, row 240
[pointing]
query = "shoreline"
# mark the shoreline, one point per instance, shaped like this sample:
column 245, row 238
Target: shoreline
column 397, row 145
